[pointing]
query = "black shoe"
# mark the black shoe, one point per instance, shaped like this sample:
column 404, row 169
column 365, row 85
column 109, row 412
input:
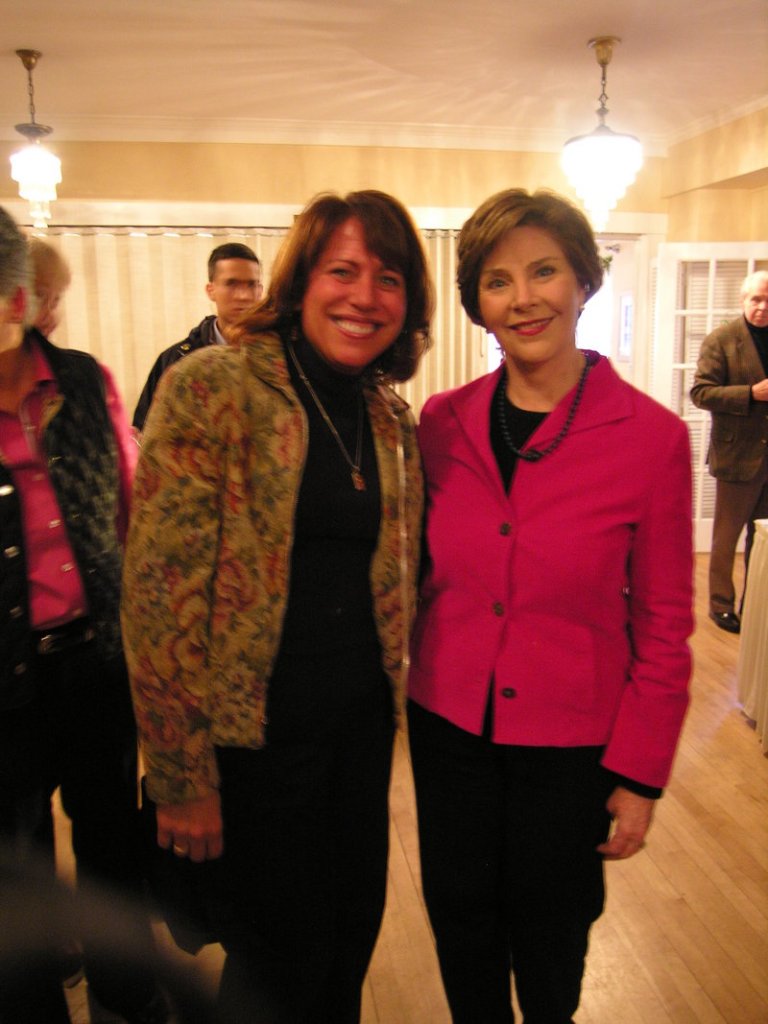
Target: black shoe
column 156, row 1011
column 729, row 621
column 71, row 965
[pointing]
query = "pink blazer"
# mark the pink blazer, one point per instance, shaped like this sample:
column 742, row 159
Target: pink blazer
column 572, row 594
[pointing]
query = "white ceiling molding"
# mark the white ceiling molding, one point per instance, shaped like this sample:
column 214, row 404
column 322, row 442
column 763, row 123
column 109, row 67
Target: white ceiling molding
column 138, row 215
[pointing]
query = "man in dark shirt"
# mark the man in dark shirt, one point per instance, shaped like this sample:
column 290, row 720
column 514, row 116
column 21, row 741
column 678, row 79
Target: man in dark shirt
column 732, row 383
column 234, row 284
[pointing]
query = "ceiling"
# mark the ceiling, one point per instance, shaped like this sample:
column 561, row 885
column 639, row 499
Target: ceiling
column 503, row 74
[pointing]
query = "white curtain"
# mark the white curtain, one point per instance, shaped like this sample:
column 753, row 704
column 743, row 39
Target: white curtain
column 459, row 348
column 135, row 292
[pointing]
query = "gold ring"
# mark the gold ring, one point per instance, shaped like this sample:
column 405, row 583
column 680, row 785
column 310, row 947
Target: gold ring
column 179, row 851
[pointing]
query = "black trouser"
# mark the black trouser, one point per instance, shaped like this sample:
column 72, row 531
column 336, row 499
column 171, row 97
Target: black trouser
column 302, row 881
column 79, row 734
column 509, row 868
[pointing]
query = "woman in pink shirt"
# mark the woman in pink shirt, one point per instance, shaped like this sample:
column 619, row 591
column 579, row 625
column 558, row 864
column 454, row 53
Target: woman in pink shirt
column 66, row 720
column 550, row 665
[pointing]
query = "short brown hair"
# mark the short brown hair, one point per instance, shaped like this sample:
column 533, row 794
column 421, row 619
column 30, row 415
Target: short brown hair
column 49, row 267
column 512, row 208
column 390, row 233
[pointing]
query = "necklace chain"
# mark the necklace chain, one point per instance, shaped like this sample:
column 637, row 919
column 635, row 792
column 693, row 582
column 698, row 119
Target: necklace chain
column 534, row 454
column 358, row 480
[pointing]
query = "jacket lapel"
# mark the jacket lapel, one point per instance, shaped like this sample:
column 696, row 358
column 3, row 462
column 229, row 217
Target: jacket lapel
column 471, row 407
column 604, row 400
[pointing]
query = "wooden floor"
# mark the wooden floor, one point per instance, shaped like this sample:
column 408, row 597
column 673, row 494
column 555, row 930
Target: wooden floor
column 684, row 939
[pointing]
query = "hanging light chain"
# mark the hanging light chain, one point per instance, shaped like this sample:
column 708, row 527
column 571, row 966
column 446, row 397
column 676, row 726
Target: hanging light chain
column 603, row 47
column 31, row 93
column 602, row 112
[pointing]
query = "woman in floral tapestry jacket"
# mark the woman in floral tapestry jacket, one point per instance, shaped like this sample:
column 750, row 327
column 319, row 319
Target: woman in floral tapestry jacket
column 268, row 595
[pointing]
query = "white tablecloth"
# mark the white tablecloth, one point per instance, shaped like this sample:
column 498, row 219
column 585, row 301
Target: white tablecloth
column 752, row 671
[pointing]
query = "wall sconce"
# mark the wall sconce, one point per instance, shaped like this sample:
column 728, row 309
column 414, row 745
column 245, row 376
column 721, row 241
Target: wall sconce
column 37, row 170
column 601, row 165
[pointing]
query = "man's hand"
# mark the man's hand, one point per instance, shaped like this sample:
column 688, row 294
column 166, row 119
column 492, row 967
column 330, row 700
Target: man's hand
column 760, row 390
column 632, row 815
column 192, row 829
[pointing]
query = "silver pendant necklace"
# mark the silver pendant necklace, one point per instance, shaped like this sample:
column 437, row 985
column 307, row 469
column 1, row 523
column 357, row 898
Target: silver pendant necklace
column 358, row 480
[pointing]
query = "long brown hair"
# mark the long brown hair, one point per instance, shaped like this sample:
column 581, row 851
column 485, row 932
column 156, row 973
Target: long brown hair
column 390, row 234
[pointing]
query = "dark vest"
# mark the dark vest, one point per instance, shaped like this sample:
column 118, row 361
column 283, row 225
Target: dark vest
column 199, row 337
column 80, row 447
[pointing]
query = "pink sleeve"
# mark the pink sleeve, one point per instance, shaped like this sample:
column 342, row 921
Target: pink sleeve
column 127, row 450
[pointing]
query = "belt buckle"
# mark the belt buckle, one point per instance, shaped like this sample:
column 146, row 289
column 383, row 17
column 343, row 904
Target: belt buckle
column 46, row 644
column 59, row 640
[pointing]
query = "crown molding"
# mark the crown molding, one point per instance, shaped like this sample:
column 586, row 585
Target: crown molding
column 109, row 217
column 315, row 133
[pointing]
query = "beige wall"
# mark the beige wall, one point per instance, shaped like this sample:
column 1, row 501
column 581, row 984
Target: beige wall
column 283, row 174
column 732, row 151
column 719, row 215
column 713, row 187
column 717, row 183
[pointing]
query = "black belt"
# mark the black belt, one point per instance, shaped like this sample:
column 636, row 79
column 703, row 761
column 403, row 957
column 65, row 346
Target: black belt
column 71, row 634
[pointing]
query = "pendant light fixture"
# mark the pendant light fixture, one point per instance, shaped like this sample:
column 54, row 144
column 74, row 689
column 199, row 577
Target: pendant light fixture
column 601, row 165
column 35, row 168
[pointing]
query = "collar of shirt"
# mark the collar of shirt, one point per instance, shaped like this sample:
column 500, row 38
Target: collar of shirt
column 220, row 339
column 43, row 371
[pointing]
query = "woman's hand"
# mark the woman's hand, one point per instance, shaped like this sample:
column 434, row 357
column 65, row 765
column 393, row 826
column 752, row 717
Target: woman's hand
column 192, row 829
column 632, row 815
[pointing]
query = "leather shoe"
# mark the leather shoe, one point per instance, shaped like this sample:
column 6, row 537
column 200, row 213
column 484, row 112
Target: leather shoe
column 729, row 621
column 156, row 1011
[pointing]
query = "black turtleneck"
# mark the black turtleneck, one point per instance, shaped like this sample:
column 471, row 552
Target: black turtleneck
column 521, row 423
column 760, row 338
column 329, row 650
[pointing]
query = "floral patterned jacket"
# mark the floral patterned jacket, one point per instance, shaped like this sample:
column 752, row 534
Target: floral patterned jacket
column 209, row 551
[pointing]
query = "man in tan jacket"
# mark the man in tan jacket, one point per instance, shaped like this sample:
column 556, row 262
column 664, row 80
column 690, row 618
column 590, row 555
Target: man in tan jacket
column 732, row 383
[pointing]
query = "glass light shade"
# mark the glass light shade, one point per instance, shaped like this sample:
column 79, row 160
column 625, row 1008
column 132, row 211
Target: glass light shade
column 601, row 166
column 40, row 214
column 37, row 171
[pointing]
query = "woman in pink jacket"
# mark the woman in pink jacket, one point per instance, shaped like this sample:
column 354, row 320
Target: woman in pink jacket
column 550, row 659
